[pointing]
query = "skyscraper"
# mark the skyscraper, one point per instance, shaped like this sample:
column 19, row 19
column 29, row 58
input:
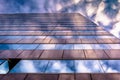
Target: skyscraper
column 56, row 46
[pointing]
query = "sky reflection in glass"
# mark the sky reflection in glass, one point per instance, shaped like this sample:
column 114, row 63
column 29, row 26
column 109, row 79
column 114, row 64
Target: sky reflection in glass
column 4, row 67
column 1, row 61
column 27, row 46
column 27, row 37
column 21, row 37
column 57, row 46
column 9, row 46
column 112, row 66
column 88, row 66
column 30, row 66
column 67, row 66
column 60, row 66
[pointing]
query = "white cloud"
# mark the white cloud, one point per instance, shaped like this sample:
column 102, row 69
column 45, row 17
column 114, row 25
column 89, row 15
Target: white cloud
column 27, row 66
column 4, row 68
column 87, row 66
column 116, row 30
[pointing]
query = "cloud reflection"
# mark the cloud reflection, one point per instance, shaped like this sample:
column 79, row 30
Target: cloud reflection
column 67, row 66
column 88, row 66
column 30, row 66
column 57, row 46
column 4, row 68
column 111, row 66
column 60, row 66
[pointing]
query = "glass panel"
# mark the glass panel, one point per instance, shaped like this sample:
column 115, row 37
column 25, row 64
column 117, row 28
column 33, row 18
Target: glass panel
column 78, row 46
column 4, row 68
column 53, row 31
column 67, row 66
column 28, row 46
column 60, row 66
column 115, row 46
column 30, row 66
column 101, row 46
column 1, row 61
column 46, row 46
column 15, row 37
column 8, row 46
column 87, row 37
column 57, row 46
column 88, row 66
column 111, row 66
column 64, row 46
